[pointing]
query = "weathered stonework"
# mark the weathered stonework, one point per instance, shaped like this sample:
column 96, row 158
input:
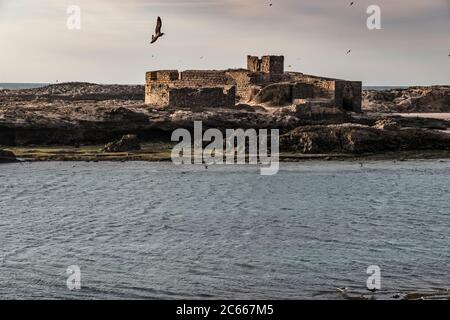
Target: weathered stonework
column 264, row 81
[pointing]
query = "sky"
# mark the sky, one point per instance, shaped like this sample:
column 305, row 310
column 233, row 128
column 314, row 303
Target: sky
column 113, row 45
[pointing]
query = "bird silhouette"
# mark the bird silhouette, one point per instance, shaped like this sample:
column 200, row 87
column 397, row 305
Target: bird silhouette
column 158, row 34
column 349, row 51
column 352, row 3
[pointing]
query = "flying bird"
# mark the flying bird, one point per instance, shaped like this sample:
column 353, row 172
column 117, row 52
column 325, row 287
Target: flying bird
column 158, row 32
column 348, row 52
column 352, row 3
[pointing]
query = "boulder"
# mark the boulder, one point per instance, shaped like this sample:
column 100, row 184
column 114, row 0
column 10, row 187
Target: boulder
column 128, row 142
column 409, row 100
column 353, row 138
column 7, row 156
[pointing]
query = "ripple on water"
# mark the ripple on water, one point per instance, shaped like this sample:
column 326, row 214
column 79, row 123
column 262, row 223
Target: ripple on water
column 145, row 230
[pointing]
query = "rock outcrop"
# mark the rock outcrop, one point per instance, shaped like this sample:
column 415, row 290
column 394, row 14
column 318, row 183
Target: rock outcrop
column 411, row 100
column 387, row 124
column 353, row 138
column 75, row 91
column 128, row 142
column 7, row 156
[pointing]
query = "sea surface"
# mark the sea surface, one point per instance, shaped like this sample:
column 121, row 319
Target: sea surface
column 159, row 231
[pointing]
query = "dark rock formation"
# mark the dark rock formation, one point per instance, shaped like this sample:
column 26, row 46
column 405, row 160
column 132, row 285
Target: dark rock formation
column 128, row 142
column 414, row 99
column 75, row 91
column 7, row 156
column 352, row 138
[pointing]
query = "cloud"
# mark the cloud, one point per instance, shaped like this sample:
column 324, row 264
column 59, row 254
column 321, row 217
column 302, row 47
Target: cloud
column 112, row 45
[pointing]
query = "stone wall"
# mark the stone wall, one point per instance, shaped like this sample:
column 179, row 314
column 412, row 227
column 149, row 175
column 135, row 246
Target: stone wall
column 157, row 94
column 302, row 90
column 162, row 76
column 205, row 97
column 273, row 65
column 246, row 81
column 203, row 78
column 348, row 95
column 253, row 64
column 267, row 64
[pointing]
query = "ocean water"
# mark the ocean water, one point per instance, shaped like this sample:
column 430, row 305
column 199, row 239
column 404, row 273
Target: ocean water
column 18, row 86
column 159, row 231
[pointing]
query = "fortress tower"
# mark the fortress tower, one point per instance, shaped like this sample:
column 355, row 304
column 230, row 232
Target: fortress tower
column 267, row 64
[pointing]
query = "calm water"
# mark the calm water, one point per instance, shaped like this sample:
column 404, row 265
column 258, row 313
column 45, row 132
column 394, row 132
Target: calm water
column 154, row 230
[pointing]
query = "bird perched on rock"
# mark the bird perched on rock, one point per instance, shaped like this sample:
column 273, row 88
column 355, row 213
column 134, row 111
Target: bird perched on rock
column 158, row 34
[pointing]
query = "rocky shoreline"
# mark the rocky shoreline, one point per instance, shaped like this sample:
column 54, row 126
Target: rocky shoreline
column 74, row 121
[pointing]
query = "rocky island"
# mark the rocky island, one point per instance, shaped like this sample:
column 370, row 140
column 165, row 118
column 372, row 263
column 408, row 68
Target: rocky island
column 318, row 117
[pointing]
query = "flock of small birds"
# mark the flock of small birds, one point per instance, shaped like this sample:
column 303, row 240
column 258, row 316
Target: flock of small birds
column 158, row 33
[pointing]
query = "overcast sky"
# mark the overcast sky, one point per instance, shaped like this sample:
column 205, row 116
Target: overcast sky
column 412, row 48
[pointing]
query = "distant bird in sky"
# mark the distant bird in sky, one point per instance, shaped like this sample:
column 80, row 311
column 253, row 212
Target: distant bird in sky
column 201, row 57
column 158, row 32
column 270, row 4
column 352, row 3
column 349, row 51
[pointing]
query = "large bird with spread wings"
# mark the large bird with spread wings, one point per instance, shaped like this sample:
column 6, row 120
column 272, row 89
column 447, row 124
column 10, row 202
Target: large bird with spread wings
column 158, row 32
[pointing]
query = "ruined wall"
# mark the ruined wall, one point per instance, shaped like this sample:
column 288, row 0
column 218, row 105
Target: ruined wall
column 203, row 78
column 273, row 65
column 246, row 82
column 157, row 84
column 348, row 95
column 162, row 76
column 254, row 64
column 302, row 90
column 322, row 87
column 205, row 97
column 157, row 94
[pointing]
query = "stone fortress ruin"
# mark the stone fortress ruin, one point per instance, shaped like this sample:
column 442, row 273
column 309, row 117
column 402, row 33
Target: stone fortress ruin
column 264, row 82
